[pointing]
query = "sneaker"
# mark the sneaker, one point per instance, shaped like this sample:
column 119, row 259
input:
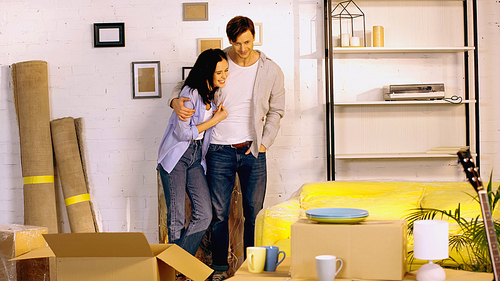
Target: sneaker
column 219, row 276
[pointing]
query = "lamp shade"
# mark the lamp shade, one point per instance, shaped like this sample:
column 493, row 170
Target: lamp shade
column 430, row 239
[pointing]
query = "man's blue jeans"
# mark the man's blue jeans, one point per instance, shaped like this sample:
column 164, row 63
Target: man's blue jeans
column 187, row 176
column 223, row 162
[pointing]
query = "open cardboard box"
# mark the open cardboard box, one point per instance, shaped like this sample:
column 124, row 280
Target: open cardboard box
column 117, row 256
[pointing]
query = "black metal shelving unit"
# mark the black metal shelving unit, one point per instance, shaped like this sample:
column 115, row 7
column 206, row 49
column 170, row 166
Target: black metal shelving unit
column 470, row 27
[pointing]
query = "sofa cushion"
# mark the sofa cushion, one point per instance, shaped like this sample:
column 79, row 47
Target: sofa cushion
column 390, row 199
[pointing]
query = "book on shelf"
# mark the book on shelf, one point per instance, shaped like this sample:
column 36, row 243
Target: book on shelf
column 445, row 149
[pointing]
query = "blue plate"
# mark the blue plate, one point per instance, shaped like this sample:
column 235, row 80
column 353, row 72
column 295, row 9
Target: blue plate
column 337, row 213
column 330, row 220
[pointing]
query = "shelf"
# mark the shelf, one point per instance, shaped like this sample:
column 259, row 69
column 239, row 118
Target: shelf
column 422, row 102
column 368, row 50
column 392, row 155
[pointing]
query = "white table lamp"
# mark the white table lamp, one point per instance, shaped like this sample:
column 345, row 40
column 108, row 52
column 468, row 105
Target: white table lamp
column 430, row 242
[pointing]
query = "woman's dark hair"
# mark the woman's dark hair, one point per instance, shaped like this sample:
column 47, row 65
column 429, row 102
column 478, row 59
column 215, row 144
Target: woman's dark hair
column 203, row 71
column 238, row 25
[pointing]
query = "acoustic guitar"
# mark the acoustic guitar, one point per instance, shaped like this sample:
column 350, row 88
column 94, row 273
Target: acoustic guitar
column 473, row 177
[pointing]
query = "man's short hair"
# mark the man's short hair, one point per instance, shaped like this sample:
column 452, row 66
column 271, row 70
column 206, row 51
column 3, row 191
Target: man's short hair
column 238, row 25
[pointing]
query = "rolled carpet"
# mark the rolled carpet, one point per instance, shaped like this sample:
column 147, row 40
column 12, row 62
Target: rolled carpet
column 71, row 174
column 31, row 95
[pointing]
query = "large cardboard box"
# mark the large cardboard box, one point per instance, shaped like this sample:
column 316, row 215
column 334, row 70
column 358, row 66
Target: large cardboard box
column 16, row 240
column 369, row 250
column 117, row 256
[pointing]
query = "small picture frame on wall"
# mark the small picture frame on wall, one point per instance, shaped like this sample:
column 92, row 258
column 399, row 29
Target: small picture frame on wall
column 209, row 43
column 195, row 11
column 185, row 71
column 109, row 34
column 146, row 80
column 258, row 34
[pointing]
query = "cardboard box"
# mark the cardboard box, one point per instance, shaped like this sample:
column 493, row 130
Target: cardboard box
column 18, row 239
column 369, row 250
column 117, row 256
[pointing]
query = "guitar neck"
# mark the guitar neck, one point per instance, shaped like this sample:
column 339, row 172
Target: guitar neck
column 490, row 233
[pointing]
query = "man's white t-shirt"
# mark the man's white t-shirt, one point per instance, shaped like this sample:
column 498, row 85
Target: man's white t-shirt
column 208, row 116
column 236, row 97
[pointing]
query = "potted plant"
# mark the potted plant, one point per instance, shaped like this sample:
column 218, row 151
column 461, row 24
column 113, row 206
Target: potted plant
column 468, row 244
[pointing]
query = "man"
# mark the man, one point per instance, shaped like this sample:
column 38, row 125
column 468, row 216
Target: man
column 254, row 97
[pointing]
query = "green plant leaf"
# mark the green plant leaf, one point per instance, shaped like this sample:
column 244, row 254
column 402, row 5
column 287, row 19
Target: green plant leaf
column 469, row 246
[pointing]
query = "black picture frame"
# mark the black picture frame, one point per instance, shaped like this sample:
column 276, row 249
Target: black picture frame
column 109, row 34
column 146, row 80
column 185, row 71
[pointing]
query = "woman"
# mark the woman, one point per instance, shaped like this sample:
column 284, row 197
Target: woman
column 181, row 157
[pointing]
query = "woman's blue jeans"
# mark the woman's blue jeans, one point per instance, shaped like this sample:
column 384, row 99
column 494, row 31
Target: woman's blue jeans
column 223, row 162
column 187, row 176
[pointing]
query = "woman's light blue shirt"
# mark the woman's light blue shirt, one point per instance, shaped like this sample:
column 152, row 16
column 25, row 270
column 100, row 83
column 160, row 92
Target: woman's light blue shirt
column 179, row 134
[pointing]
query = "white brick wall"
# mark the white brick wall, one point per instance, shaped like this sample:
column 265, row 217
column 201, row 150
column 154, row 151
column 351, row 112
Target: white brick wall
column 489, row 40
column 121, row 135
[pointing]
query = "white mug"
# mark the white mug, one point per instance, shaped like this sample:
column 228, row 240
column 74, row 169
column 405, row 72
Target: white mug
column 326, row 267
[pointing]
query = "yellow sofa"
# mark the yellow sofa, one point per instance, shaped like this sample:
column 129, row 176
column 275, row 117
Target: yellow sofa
column 383, row 200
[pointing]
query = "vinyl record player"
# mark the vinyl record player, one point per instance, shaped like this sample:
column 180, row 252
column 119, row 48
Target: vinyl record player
column 414, row 92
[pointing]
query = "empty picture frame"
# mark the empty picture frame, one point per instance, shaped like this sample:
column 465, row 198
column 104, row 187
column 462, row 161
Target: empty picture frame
column 195, row 11
column 109, row 34
column 209, row 43
column 258, row 34
column 185, row 71
column 146, row 81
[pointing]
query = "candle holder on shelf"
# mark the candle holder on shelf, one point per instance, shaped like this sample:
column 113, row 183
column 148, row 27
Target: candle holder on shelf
column 349, row 11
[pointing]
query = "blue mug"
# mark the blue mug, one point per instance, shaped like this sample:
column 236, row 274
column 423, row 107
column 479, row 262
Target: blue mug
column 272, row 255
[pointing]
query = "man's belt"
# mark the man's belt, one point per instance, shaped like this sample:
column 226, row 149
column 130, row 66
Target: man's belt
column 242, row 144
